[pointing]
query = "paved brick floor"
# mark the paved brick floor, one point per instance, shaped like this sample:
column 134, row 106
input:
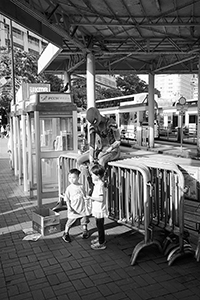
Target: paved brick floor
column 52, row 269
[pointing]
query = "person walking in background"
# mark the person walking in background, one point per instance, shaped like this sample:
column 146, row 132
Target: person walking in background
column 8, row 130
column 99, row 210
column 75, row 198
column 9, row 149
column 2, row 131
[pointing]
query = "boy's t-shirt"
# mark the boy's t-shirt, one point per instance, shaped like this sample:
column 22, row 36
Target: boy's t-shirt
column 74, row 195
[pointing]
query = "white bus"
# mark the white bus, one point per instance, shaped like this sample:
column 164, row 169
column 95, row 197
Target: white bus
column 130, row 113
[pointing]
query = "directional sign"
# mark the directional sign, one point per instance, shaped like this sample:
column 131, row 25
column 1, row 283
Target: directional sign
column 181, row 113
column 182, row 108
column 182, row 101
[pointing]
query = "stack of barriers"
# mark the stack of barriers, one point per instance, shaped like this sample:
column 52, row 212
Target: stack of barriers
column 65, row 163
column 145, row 195
column 149, row 196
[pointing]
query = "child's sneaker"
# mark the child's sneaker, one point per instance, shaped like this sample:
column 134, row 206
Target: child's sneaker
column 85, row 234
column 98, row 246
column 96, row 240
column 66, row 238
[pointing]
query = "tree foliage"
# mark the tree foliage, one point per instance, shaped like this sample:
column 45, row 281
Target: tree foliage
column 79, row 92
column 110, row 93
column 132, row 84
column 25, row 70
column 126, row 85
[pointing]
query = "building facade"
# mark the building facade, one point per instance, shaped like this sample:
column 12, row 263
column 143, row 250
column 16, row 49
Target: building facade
column 30, row 42
column 174, row 86
column 22, row 38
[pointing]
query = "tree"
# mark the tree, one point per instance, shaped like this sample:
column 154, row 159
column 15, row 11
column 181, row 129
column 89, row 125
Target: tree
column 132, row 84
column 79, row 92
column 106, row 93
column 25, row 68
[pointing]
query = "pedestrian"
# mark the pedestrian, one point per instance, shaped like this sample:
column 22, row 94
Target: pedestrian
column 7, row 130
column 2, row 131
column 10, row 150
column 75, row 198
column 99, row 210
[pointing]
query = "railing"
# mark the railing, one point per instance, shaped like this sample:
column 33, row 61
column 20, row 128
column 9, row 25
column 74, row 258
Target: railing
column 146, row 195
column 65, row 163
column 154, row 205
column 129, row 199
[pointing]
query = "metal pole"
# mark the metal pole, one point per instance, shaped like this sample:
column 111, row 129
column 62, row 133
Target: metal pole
column 181, row 131
column 198, row 113
column 12, row 63
column 151, row 105
column 90, row 80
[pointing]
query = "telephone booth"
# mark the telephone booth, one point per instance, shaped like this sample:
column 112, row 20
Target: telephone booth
column 18, row 130
column 51, row 132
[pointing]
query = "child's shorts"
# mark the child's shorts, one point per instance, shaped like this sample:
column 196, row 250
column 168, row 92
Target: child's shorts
column 83, row 221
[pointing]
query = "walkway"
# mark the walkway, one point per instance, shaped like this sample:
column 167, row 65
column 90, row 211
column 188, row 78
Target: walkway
column 51, row 269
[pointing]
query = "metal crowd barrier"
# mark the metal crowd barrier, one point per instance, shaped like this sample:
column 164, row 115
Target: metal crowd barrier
column 155, row 204
column 128, row 199
column 65, row 163
column 146, row 195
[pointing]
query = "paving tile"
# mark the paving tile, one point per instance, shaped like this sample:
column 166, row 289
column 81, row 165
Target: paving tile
column 51, row 269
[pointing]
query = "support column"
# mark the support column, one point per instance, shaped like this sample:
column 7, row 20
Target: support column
column 198, row 113
column 67, row 80
column 90, row 80
column 38, row 166
column 11, row 143
column 151, row 106
column 15, row 145
column 24, row 150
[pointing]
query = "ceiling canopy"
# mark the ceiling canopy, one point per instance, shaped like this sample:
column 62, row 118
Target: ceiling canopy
column 140, row 36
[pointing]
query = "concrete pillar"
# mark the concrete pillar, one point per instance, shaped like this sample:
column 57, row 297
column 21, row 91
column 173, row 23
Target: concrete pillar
column 187, row 115
column 15, row 145
column 198, row 113
column 165, row 121
column 118, row 119
column 67, row 79
column 90, row 80
column 25, row 40
column 11, row 142
column 3, row 32
column 19, row 150
column 151, row 106
column 24, row 152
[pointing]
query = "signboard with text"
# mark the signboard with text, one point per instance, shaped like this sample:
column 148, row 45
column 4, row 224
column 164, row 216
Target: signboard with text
column 51, row 97
column 28, row 89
